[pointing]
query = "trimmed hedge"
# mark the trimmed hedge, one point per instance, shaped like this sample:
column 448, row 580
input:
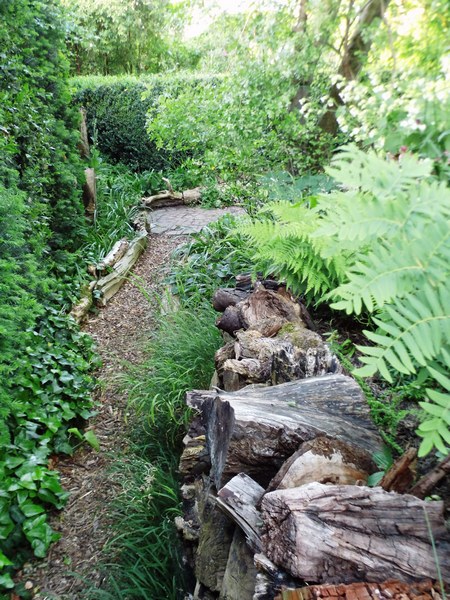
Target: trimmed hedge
column 117, row 113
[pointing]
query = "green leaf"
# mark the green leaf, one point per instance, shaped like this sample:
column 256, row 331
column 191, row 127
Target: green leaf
column 92, row 440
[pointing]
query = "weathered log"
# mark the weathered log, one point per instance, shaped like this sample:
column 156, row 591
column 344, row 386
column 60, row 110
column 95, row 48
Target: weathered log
column 224, row 297
column 255, row 430
column 80, row 311
column 240, row 575
column 342, row 534
column 396, row 590
column 244, row 282
column 402, row 473
column 171, row 198
column 192, row 196
column 216, row 535
column 429, row 481
column 162, row 199
column 90, row 193
column 238, row 499
column 324, row 460
column 111, row 283
column 115, row 254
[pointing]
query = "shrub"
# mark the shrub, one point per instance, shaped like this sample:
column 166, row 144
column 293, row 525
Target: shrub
column 117, row 109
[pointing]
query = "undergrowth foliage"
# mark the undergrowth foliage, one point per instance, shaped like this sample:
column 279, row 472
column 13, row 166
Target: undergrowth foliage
column 380, row 245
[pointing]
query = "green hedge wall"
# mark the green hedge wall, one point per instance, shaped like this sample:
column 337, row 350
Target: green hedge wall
column 117, row 112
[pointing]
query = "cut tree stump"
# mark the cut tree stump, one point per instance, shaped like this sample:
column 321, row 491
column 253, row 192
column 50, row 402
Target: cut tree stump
column 90, row 193
column 256, row 429
column 111, row 283
column 342, row 534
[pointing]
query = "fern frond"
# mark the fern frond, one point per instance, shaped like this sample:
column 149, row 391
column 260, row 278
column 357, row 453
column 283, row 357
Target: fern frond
column 395, row 269
column 414, row 330
column 369, row 172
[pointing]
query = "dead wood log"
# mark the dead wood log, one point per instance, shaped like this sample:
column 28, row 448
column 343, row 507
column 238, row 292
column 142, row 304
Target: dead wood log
column 342, row 534
column 238, row 499
column 115, row 254
column 224, row 297
column 90, row 193
column 111, row 283
column 255, row 430
column 81, row 309
column 171, row 198
column 396, row 590
column 192, row 196
column 324, row 460
column 230, row 321
column 426, row 484
column 240, row 574
column 402, row 473
column 162, row 199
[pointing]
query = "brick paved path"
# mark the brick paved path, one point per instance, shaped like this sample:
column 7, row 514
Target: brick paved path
column 184, row 220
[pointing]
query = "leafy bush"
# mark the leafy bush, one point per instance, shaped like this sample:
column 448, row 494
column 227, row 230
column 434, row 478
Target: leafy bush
column 366, row 249
column 117, row 113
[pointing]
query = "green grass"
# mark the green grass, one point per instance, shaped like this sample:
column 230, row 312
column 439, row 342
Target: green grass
column 144, row 555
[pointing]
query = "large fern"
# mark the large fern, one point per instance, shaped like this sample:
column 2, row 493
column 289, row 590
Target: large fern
column 381, row 244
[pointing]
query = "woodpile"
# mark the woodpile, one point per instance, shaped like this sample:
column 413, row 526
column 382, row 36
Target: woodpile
column 275, row 467
column 271, row 342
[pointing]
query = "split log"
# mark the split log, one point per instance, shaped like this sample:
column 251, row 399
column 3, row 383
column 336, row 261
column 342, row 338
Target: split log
column 244, row 282
column 342, row 534
column 81, row 309
column 429, row 481
column 324, row 460
column 401, row 475
column 225, row 297
column 240, row 575
column 115, row 254
column 230, row 321
column 238, row 499
column 111, row 283
column 255, row 430
column 90, row 193
column 396, row 590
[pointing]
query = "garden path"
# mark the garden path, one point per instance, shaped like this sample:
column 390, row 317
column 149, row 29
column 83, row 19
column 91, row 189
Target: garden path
column 120, row 330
